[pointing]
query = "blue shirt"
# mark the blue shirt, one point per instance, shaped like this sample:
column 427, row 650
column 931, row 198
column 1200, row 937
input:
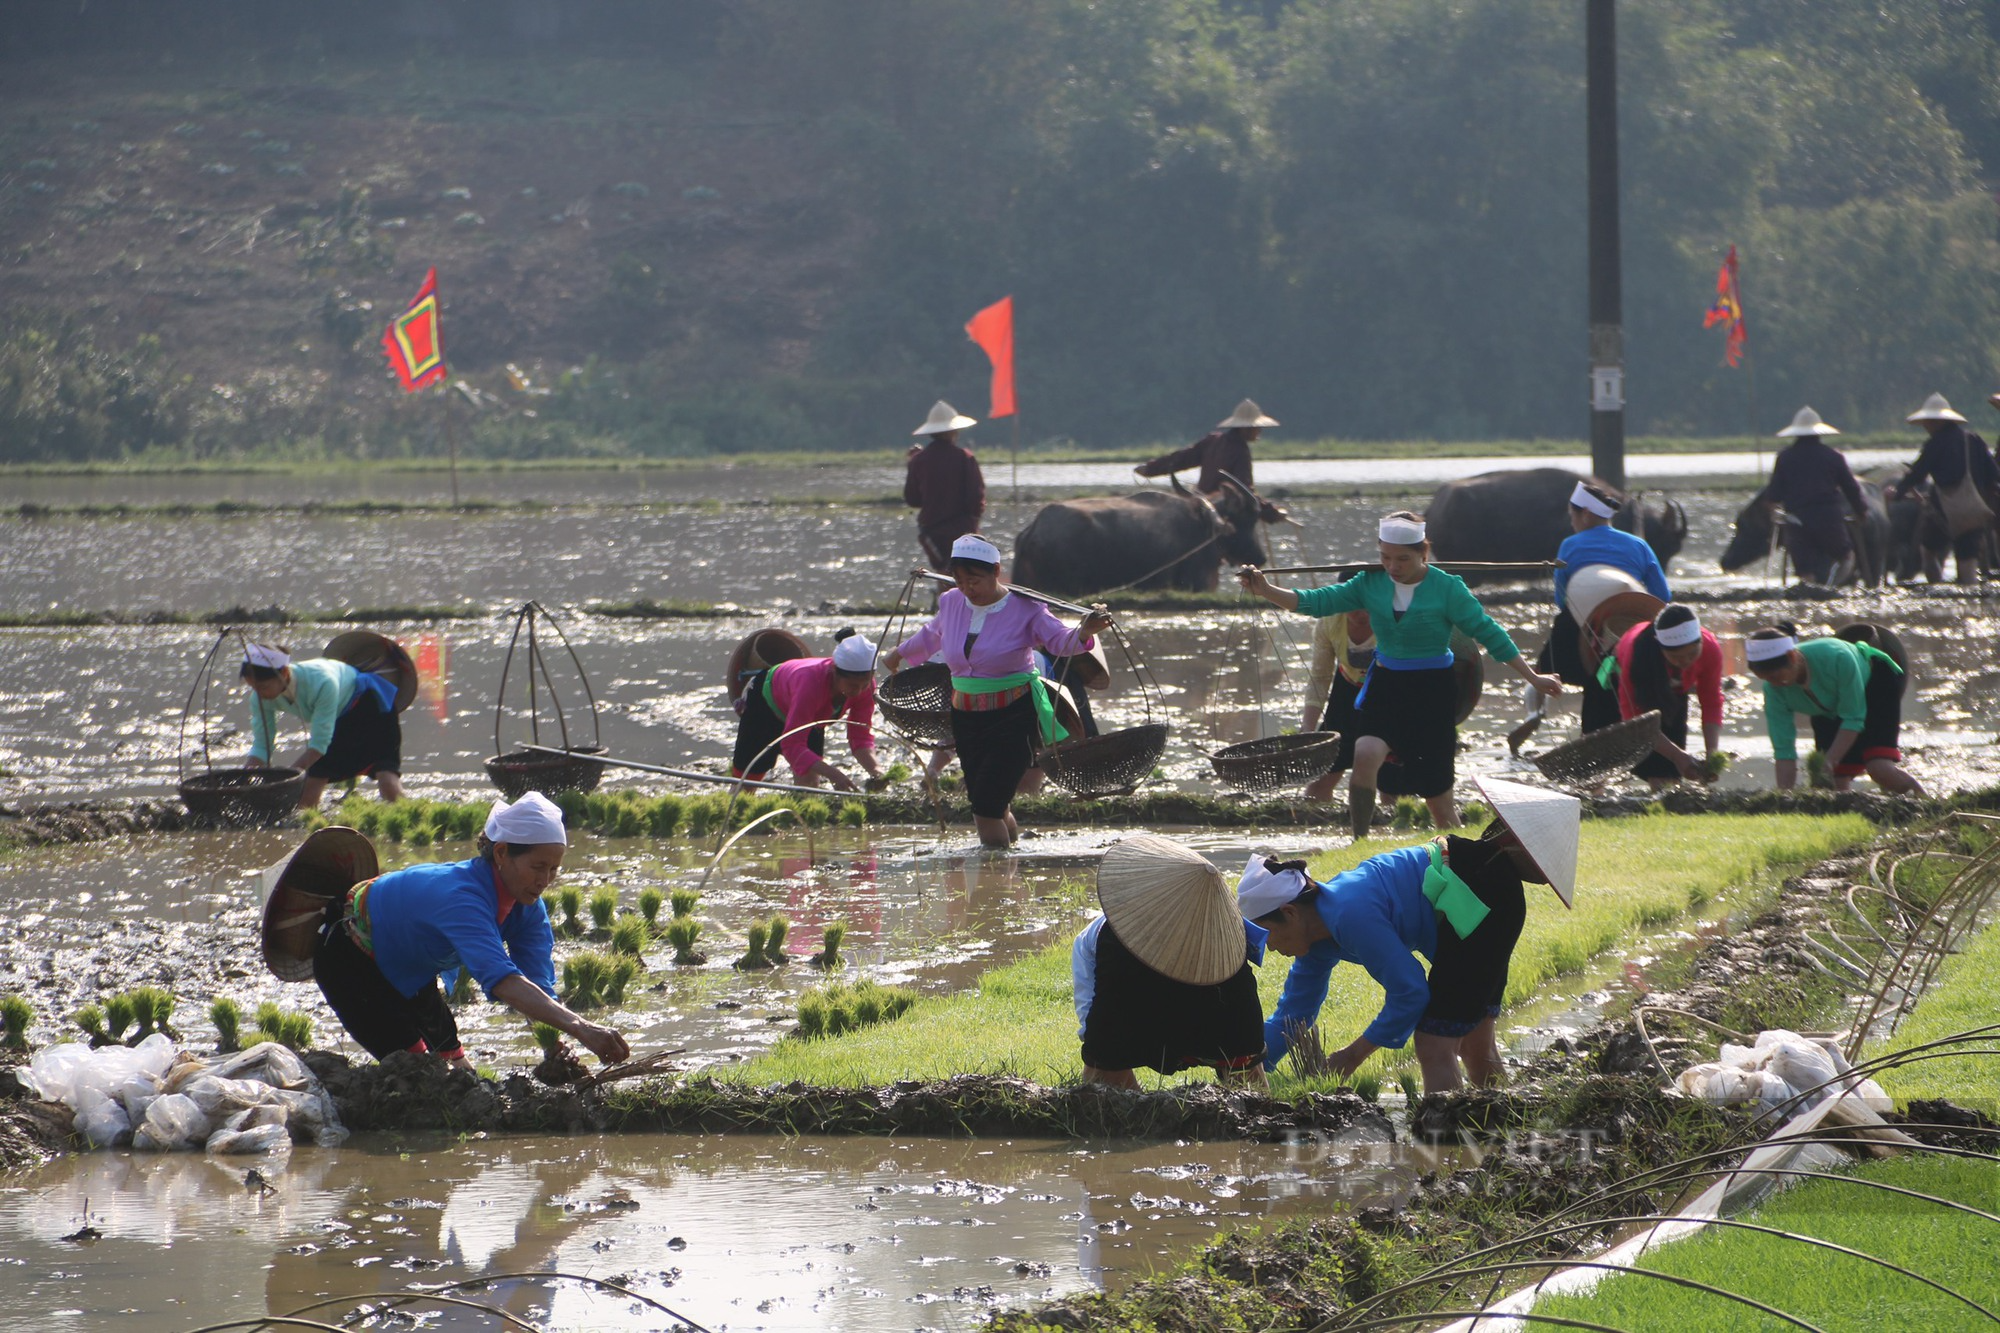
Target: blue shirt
column 1377, row 916
column 1083, row 962
column 1608, row 546
column 429, row 919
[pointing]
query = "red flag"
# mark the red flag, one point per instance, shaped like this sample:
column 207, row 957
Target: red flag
column 993, row 329
column 414, row 343
column 1728, row 310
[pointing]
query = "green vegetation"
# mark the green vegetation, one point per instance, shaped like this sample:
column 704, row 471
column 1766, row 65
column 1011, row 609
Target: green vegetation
column 591, row 980
column 603, row 906
column 547, row 1036
column 774, row 940
column 650, row 902
column 753, row 958
column 1831, row 1291
column 835, row 1010
column 569, row 897
column 682, row 932
column 15, row 1016
column 1966, row 995
column 828, row 958
column 226, row 1016
column 290, row 1028
column 629, row 935
column 623, row 814
column 119, row 1012
column 683, row 900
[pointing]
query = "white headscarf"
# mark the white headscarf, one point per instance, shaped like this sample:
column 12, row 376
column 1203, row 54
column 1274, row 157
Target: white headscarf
column 532, row 819
column 1769, row 650
column 1677, row 636
column 854, row 653
column 1261, row 892
column 972, row 546
column 1590, row 504
column 261, row 655
column 1400, row 532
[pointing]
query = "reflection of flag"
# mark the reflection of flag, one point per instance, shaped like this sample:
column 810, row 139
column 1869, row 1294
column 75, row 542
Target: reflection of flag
column 414, row 343
column 434, row 674
column 993, row 329
column 1728, row 310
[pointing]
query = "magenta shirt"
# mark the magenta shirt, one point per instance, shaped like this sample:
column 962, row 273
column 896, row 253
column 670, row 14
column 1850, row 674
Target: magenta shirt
column 1007, row 641
column 803, row 691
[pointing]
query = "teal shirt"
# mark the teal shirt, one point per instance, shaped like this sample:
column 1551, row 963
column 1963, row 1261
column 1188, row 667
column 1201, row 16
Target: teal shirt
column 321, row 690
column 1836, row 686
column 1442, row 603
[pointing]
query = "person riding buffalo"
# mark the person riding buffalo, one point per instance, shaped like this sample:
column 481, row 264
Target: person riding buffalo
column 1851, row 692
column 1459, row 902
column 383, row 944
column 1949, row 457
column 351, row 716
column 783, row 709
column 1658, row 664
column 1001, row 709
column 1408, row 703
column 1811, row 482
column 943, row 483
column 1223, row 452
column 1594, row 541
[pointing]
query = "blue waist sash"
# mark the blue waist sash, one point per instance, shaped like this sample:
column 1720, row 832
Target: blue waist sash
column 367, row 683
column 1388, row 663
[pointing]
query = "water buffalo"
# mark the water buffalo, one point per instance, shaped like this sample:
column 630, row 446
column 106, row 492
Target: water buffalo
column 1752, row 538
column 1512, row 516
column 1153, row 539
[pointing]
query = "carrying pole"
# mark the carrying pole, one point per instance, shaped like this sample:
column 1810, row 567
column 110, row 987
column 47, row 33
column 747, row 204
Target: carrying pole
column 610, row 762
column 1029, row 593
column 1481, row 566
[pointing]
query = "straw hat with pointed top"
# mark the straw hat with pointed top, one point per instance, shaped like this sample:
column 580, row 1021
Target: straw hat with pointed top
column 943, row 417
column 1172, row 909
column 1247, row 413
column 1807, row 422
column 1935, row 408
column 1548, row 824
column 297, row 889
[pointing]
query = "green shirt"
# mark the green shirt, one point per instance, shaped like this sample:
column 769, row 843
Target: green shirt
column 1836, row 686
column 321, row 690
column 1442, row 603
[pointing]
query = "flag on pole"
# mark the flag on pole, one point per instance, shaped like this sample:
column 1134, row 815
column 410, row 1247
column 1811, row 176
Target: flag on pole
column 1728, row 310
column 993, row 329
column 414, row 343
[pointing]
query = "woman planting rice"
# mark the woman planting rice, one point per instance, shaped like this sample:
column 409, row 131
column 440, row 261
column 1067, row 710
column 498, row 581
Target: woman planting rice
column 379, row 954
column 1163, row 977
column 780, row 700
column 1658, row 666
column 1853, row 694
column 1409, row 699
column 1001, row 709
column 351, row 716
column 1457, row 901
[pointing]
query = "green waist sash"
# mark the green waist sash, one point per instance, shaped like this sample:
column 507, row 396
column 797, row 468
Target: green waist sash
column 1451, row 895
column 1045, row 710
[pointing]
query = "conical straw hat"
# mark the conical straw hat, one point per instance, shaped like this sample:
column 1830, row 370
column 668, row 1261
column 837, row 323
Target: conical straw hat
column 943, row 417
column 1548, row 824
column 1247, row 413
column 297, row 889
column 1807, row 422
column 1935, row 408
column 1172, row 909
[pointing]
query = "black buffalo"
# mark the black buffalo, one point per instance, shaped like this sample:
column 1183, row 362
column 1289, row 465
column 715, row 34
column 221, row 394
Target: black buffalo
column 1152, row 539
column 1524, row 516
column 1870, row 536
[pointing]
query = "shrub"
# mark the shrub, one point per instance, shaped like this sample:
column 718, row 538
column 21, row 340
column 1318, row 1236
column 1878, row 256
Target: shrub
column 227, row 1017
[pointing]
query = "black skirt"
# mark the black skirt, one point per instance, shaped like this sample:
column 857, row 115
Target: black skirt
column 1415, row 714
column 1469, row 974
column 372, row 1010
column 1339, row 715
column 1142, row 1019
column 758, row 730
column 367, row 739
column 996, row 748
column 1674, row 726
column 1881, row 727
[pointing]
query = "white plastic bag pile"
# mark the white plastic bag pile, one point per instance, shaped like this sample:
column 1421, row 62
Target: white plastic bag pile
column 163, row 1100
column 1779, row 1069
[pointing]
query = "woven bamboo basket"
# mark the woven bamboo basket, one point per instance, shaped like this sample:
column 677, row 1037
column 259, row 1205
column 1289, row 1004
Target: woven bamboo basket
column 1604, row 751
column 243, row 796
column 1115, row 762
column 917, row 702
column 519, row 772
column 1277, row 761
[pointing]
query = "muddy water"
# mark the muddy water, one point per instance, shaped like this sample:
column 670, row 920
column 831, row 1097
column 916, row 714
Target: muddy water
column 876, row 1234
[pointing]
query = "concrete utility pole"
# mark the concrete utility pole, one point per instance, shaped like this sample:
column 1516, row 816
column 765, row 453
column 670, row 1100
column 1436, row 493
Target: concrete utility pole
column 1607, row 320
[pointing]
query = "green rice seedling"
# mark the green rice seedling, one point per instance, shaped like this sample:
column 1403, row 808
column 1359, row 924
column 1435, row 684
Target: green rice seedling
column 468, row 822
column 682, row 932
column 1818, row 774
column 650, row 902
column 814, row 812
column 629, row 823
column 828, row 956
column 812, row 1016
column 395, row 822
column 421, row 835
column 1409, row 813
column 853, row 814
column 1475, row 814
column 1412, row 1090
column 151, row 1008
column 91, row 1019
column 120, row 1011
column 575, row 806
column 1717, row 763
column 865, row 1004
column 629, row 935
column 547, row 1036
column 753, row 956
column 704, row 814
column 268, row 1015
column 683, row 901
column 584, row 977
column 1368, row 1087
column 461, row 987
column 897, row 772
column 15, row 1015
column 603, row 906
column 620, row 975
column 367, row 820
column 774, row 940
column 227, row 1017
column 296, row 1031
column 663, row 816
column 570, row 898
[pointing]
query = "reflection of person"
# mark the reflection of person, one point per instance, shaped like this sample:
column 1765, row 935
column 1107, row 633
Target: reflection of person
column 1457, row 901
column 1593, row 541
column 943, row 483
column 1658, row 665
column 1000, row 706
column 1853, row 694
column 350, row 714
column 1163, row 975
column 1226, row 449
column 1811, row 482
column 1343, row 646
column 1948, row 456
column 1408, row 704
column 779, row 700
column 382, row 947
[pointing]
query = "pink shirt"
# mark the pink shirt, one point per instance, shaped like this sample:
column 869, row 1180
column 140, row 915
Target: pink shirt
column 1007, row 641
column 1703, row 679
column 803, row 691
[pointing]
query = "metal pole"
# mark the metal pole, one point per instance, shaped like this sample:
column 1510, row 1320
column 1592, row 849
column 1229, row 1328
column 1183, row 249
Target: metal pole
column 1017, row 454
column 1607, row 320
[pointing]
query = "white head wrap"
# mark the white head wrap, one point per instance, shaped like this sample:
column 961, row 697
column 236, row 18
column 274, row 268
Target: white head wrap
column 854, row 653
column 1584, row 500
column 972, row 546
column 1261, row 892
column 1400, row 532
column 1769, row 650
column 532, row 819
column 261, row 655
column 1677, row 636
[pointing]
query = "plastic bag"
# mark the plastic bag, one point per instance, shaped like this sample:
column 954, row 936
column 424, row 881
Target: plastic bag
column 258, row 1139
column 220, row 1098
column 1803, row 1065
column 173, row 1124
column 105, row 1125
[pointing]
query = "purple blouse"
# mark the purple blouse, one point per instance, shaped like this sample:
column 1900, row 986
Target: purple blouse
column 1007, row 641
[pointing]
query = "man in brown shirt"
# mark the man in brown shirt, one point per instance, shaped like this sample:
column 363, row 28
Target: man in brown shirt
column 1224, row 449
column 943, row 484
